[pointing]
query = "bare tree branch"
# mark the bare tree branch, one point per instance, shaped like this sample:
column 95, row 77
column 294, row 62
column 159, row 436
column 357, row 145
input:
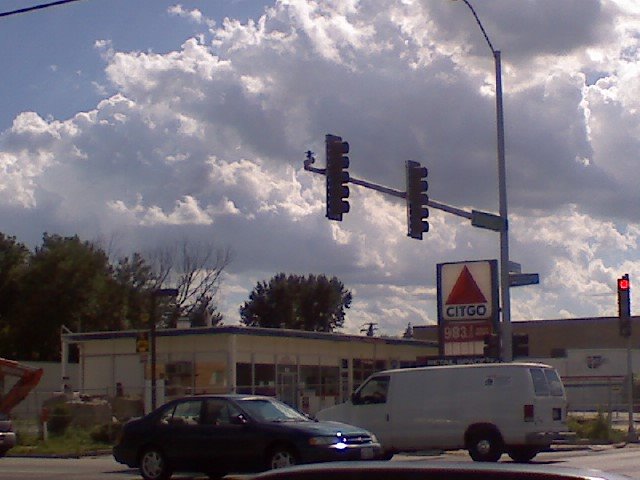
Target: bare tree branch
column 195, row 268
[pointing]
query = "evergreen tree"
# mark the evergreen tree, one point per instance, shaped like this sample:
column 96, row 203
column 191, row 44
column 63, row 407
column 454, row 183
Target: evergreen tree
column 313, row 303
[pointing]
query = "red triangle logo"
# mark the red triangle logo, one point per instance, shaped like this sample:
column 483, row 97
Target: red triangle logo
column 465, row 291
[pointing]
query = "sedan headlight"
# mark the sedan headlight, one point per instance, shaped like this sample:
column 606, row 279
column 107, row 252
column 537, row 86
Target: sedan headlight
column 374, row 439
column 331, row 442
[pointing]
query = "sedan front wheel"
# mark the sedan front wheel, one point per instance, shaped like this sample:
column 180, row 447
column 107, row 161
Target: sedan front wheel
column 280, row 457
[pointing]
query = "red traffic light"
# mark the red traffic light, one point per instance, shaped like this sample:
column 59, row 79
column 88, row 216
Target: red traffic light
column 623, row 283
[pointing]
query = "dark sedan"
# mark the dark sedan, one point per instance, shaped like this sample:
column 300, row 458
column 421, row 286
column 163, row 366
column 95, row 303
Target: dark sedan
column 218, row 434
column 7, row 435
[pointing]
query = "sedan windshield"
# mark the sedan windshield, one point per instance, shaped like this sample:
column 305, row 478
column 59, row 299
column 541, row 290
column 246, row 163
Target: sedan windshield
column 266, row 410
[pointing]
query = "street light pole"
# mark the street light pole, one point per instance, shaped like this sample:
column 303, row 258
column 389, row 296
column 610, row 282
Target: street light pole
column 505, row 331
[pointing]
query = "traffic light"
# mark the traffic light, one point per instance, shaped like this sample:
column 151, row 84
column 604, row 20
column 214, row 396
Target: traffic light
column 337, row 177
column 491, row 346
column 624, row 305
column 520, row 345
column 417, row 199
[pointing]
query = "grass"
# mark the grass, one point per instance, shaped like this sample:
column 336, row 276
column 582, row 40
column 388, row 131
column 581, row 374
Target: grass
column 596, row 429
column 73, row 442
column 76, row 441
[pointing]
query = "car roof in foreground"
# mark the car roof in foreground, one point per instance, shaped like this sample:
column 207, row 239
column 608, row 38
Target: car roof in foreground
column 230, row 396
column 421, row 469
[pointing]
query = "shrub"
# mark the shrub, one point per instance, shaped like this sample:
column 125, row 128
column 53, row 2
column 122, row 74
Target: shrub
column 598, row 428
column 60, row 420
column 105, row 433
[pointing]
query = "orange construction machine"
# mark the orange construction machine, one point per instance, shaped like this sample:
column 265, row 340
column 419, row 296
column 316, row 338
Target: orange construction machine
column 28, row 378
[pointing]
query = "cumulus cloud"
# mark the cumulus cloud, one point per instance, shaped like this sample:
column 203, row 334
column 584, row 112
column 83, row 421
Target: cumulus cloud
column 208, row 139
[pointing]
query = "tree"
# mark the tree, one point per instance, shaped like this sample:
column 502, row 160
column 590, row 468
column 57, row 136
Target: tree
column 196, row 269
column 73, row 283
column 14, row 257
column 408, row 333
column 134, row 280
column 67, row 282
column 313, row 303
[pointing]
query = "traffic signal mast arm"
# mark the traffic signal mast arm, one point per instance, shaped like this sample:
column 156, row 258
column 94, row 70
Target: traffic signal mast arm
column 473, row 215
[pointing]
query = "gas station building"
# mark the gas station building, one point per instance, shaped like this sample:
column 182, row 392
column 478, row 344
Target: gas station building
column 309, row 370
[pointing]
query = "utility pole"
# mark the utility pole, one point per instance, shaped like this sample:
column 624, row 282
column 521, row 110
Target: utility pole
column 160, row 292
column 369, row 328
column 624, row 320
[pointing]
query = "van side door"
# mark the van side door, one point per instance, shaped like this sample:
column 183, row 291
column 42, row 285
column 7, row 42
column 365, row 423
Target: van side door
column 371, row 408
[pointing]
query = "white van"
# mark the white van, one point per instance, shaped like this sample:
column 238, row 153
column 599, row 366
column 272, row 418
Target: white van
column 488, row 409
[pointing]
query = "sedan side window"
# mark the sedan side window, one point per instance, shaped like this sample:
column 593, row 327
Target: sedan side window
column 167, row 415
column 219, row 412
column 187, row 413
column 215, row 412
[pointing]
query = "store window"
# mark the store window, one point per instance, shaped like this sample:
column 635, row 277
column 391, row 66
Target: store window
column 329, row 381
column 179, row 378
column 364, row 368
column 310, row 377
column 265, row 379
column 244, row 381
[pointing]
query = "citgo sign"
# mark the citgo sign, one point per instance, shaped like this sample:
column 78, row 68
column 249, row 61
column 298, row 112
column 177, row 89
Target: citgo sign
column 467, row 290
column 467, row 306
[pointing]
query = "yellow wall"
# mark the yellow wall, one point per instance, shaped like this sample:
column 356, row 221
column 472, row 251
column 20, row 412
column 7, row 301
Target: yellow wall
column 106, row 361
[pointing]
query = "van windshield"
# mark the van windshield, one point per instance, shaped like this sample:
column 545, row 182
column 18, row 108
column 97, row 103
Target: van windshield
column 373, row 390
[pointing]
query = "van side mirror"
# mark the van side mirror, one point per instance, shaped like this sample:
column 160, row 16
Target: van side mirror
column 355, row 398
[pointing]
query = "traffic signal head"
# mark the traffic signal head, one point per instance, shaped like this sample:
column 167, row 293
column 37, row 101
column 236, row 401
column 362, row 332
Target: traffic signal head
column 337, row 177
column 492, row 346
column 623, row 283
column 520, row 345
column 624, row 305
column 417, row 200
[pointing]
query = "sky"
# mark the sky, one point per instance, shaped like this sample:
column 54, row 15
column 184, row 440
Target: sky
column 142, row 123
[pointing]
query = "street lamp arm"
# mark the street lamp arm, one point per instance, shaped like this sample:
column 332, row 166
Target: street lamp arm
column 486, row 37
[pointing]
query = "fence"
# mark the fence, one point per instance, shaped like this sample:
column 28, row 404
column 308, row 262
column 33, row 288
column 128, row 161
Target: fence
column 590, row 394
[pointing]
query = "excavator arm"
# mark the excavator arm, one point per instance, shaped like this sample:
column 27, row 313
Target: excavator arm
column 28, row 378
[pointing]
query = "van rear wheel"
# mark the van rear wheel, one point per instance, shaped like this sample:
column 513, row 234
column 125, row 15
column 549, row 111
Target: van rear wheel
column 485, row 446
column 386, row 455
column 522, row 454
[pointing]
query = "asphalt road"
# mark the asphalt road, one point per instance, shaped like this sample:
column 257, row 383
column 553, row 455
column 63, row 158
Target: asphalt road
column 619, row 460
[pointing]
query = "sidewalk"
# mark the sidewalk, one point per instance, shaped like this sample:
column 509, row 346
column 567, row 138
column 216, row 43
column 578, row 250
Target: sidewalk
column 591, row 445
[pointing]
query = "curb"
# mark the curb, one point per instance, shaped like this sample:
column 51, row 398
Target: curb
column 560, row 447
column 92, row 453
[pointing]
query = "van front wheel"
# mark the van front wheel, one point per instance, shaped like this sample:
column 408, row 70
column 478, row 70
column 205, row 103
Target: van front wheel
column 522, row 454
column 485, row 446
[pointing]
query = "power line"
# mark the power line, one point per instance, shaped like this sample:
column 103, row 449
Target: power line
column 36, row 7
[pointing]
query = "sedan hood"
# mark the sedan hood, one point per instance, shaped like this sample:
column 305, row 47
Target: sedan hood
column 327, row 428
